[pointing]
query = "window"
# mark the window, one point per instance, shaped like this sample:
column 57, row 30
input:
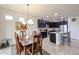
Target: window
column 21, row 19
column 8, row 17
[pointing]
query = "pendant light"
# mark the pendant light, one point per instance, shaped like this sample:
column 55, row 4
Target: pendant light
column 29, row 21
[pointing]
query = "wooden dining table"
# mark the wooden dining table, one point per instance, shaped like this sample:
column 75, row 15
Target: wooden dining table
column 26, row 41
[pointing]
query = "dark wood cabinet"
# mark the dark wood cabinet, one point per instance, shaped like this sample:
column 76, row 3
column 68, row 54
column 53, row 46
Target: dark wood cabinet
column 42, row 23
column 44, row 34
column 54, row 25
column 53, row 37
column 39, row 23
column 63, row 22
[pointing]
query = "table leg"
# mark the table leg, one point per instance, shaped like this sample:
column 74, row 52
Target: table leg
column 40, row 51
column 25, row 50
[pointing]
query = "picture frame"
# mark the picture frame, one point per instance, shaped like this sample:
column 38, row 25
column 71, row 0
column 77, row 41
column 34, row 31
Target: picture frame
column 20, row 26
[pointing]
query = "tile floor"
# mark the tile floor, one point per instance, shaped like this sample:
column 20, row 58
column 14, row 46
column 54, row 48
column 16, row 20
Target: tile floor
column 51, row 48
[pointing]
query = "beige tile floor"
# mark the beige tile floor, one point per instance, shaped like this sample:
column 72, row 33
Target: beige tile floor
column 51, row 48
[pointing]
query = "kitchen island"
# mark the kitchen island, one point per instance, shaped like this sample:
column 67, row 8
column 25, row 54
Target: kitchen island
column 55, row 37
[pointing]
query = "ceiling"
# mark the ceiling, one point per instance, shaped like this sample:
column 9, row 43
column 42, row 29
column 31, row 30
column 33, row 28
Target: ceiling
column 44, row 10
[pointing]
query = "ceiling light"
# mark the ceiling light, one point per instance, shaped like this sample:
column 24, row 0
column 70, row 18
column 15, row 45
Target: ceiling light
column 30, row 21
column 21, row 19
column 55, row 14
column 47, row 16
column 24, row 22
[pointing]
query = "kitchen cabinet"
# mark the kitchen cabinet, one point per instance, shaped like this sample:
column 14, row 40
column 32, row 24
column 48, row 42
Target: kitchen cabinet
column 55, row 37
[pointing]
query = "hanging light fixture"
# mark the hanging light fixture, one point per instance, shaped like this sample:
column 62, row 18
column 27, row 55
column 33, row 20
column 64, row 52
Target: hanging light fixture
column 22, row 20
column 29, row 21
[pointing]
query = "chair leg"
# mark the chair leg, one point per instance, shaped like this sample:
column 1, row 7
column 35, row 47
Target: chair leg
column 20, row 53
column 40, row 51
column 25, row 50
column 17, row 52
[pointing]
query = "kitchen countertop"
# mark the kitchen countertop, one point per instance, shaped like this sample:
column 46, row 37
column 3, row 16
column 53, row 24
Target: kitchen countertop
column 57, row 32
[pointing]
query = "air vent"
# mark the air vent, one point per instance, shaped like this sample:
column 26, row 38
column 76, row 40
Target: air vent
column 73, row 19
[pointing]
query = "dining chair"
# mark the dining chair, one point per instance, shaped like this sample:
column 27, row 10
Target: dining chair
column 19, row 47
column 23, row 33
column 36, row 45
column 66, row 38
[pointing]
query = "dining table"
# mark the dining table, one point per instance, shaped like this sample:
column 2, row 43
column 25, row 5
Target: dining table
column 26, row 41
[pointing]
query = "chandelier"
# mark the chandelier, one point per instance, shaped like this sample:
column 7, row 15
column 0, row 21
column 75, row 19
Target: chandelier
column 29, row 20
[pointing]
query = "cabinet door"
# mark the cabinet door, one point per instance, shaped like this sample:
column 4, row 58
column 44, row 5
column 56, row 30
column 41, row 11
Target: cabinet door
column 63, row 22
column 44, row 34
column 39, row 23
column 53, row 38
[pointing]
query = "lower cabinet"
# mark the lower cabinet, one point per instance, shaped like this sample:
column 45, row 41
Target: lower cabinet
column 44, row 34
column 53, row 37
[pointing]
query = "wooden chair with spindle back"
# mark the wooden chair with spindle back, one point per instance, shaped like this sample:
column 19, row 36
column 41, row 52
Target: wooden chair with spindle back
column 23, row 33
column 19, row 47
column 36, row 45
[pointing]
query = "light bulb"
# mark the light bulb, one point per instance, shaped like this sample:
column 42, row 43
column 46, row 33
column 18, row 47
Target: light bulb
column 55, row 14
column 30, row 21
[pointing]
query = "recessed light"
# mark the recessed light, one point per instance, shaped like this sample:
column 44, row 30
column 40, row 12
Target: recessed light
column 47, row 16
column 61, row 17
column 55, row 14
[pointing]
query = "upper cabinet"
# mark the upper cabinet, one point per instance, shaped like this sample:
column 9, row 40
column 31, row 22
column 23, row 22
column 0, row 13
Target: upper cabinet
column 63, row 22
column 54, row 24
column 44, row 24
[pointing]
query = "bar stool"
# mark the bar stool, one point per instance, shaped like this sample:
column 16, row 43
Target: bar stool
column 65, row 38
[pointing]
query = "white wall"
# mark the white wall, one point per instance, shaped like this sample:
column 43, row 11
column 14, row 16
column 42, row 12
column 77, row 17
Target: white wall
column 7, row 28
column 2, row 29
column 74, row 28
